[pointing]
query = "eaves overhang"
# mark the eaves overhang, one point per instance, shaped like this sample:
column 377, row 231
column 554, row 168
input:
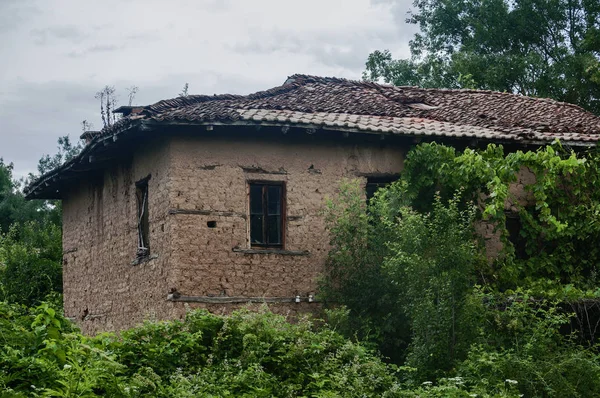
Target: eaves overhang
column 98, row 153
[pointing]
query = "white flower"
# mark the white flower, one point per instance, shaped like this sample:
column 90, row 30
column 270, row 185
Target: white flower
column 427, row 383
column 509, row 381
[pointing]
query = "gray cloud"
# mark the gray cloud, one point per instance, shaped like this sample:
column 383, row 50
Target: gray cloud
column 97, row 48
column 59, row 54
column 61, row 32
column 13, row 13
column 34, row 115
column 401, row 11
column 348, row 49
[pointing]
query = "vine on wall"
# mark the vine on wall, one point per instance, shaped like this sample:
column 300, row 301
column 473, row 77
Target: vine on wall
column 558, row 218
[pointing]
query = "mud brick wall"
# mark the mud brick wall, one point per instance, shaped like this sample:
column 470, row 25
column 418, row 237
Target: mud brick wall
column 199, row 229
column 210, row 183
column 102, row 289
column 195, row 180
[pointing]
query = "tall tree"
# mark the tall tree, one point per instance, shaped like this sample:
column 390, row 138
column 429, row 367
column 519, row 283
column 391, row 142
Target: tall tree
column 67, row 150
column 13, row 206
column 546, row 48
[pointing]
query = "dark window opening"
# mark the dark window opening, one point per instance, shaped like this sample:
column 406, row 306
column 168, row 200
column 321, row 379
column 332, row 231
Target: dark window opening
column 211, row 224
column 143, row 220
column 266, row 214
column 374, row 183
column 514, row 227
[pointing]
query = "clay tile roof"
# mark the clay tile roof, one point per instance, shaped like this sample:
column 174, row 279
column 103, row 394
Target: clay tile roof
column 333, row 102
column 330, row 103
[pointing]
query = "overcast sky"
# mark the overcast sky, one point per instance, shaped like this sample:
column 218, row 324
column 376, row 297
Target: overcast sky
column 56, row 54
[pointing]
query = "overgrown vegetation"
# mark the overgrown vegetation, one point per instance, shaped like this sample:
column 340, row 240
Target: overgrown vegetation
column 407, row 274
column 412, row 272
column 30, row 243
column 243, row 355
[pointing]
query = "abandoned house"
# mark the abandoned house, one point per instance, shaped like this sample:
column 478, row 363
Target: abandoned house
column 215, row 201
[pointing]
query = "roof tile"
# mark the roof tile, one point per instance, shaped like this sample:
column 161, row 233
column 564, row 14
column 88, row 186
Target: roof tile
column 369, row 106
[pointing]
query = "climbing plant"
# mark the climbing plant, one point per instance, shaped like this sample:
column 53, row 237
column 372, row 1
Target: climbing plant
column 414, row 281
column 556, row 209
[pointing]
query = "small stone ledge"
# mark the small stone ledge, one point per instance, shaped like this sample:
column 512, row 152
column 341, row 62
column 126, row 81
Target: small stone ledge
column 144, row 259
column 237, row 299
column 272, row 251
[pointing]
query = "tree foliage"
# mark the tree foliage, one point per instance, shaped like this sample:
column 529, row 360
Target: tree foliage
column 30, row 262
column 557, row 220
column 410, row 271
column 14, row 209
column 30, row 234
column 67, row 150
column 537, row 48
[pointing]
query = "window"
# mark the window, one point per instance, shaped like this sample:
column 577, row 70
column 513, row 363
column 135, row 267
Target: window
column 141, row 193
column 266, row 214
column 514, row 227
column 374, row 183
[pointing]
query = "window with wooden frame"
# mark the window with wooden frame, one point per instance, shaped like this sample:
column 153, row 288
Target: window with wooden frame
column 143, row 220
column 267, row 214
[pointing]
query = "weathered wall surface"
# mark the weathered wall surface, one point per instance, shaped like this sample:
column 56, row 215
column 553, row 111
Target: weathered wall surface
column 210, row 178
column 195, row 180
column 102, row 289
column 518, row 196
column 199, row 225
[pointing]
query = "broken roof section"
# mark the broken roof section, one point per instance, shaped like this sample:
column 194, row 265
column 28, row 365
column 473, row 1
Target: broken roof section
column 318, row 100
column 357, row 107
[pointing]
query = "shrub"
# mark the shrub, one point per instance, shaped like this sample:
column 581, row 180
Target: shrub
column 432, row 261
column 30, row 262
column 245, row 354
column 522, row 339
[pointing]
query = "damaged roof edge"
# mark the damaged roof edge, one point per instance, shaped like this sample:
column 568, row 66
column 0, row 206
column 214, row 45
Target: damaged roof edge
column 53, row 176
column 42, row 188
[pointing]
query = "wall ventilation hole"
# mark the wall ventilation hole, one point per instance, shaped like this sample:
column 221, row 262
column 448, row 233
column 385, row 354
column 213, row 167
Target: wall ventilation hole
column 211, row 224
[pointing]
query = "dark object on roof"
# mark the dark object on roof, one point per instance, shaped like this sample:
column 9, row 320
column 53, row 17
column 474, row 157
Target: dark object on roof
column 126, row 110
column 88, row 136
column 359, row 107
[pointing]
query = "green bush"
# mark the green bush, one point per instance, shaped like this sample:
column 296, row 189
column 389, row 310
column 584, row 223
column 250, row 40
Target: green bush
column 245, row 354
column 410, row 273
column 522, row 339
column 432, row 261
column 42, row 354
column 30, row 262
column 403, row 275
column 355, row 277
